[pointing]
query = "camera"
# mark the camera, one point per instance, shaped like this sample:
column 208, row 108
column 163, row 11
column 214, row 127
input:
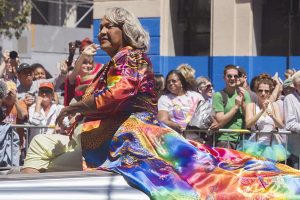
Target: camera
column 13, row 55
column 75, row 44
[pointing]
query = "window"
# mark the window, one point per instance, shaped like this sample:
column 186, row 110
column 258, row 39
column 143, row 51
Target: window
column 191, row 27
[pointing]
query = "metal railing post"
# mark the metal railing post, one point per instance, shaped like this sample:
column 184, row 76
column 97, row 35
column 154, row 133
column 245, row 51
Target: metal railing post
column 11, row 148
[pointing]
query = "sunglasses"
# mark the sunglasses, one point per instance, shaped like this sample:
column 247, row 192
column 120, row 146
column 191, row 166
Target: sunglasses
column 172, row 81
column 229, row 76
column 45, row 91
column 209, row 86
column 266, row 91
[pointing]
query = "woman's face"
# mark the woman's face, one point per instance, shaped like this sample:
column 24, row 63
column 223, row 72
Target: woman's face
column 206, row 89
column 174, row 85
column 263, row 92
column 39, row 73
column 110, row 37
column 87, row 66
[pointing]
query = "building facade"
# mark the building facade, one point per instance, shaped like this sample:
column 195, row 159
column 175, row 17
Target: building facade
column 259, row 35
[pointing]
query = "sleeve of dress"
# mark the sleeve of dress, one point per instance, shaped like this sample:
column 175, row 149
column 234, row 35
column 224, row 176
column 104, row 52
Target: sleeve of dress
column 126, row 77
column 290, row 116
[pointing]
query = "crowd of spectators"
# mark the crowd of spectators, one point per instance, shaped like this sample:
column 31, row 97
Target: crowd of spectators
column 260, row 107
column 30, row 95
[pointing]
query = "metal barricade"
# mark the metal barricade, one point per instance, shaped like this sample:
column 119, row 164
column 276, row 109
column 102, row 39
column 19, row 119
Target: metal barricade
column 27, row 128
column 242, row 132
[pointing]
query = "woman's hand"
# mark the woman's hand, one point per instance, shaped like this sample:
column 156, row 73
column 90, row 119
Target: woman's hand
column 239, row 100
column 29, row 99
column 39, row 100
column 214, row 126
column 265, row 106
column 63, row 67
column 91, row 50
column 69, row 110
column 179, row 128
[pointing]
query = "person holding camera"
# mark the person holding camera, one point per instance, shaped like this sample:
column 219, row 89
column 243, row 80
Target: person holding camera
column 83, row 73
column 10, row 61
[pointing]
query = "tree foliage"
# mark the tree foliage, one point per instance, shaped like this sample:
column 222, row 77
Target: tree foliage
column 14, row 17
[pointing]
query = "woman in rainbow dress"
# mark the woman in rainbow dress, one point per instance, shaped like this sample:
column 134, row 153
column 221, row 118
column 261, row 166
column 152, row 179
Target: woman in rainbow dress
column 117, row 130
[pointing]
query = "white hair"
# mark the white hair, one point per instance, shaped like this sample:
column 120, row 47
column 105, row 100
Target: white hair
column 133, row 32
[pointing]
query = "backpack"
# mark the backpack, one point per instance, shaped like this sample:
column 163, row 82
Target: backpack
column 224, row 97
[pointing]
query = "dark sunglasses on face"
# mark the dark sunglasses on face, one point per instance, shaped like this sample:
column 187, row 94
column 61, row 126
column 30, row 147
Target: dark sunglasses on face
column 172, row 81
column 209, row 86
column 45, row 91
column 266, row 91
column 229, row 76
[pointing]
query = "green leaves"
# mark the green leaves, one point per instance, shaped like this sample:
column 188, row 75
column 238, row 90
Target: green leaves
column 14, row 17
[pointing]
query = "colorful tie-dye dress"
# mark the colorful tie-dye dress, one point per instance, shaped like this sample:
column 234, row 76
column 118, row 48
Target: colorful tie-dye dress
column 124, row 136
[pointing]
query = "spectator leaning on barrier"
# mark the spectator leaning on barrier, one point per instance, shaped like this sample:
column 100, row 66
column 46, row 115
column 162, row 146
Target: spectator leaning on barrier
column 9, row 140
column 44, row 111
column 177, row 106
column 265, row 116
column 13, row 108
column 203, row 117
column 205, row 88
column 291, row 107
column 229, row 106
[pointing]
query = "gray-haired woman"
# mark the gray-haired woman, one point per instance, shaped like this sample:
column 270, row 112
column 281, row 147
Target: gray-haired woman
column 123, row 88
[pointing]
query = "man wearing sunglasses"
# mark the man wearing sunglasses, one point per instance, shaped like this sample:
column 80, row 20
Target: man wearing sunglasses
column 228, row 105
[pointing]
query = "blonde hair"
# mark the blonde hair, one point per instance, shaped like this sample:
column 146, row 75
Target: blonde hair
column 188, row 73
column 186, row 70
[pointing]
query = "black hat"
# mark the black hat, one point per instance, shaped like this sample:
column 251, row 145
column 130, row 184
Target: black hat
column 241, row 70
column 23, row 66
